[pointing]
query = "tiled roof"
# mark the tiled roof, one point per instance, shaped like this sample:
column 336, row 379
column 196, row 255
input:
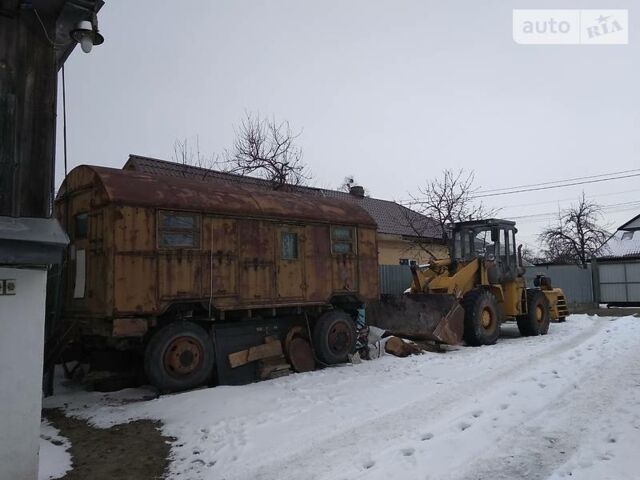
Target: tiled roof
column 621, row 244
column 392, row 218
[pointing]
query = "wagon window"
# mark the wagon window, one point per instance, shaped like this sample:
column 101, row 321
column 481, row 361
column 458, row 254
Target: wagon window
column 178, row 230
column 81, row 226
column 342, row 240
column 289, row 246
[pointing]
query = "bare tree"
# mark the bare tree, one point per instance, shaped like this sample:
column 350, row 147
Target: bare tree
column 425, row 230
column 267, row 149
column 185, row 154
column 532, row 256
column 577, row 234
column 449, row 199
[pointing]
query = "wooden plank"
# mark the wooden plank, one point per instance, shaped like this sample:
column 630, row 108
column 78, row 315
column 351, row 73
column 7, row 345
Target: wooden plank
column 271, row 349
column 237, row 359
column 266, row 350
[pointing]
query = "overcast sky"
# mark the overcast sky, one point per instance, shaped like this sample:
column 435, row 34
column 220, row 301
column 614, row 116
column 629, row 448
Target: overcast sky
column 389, row 91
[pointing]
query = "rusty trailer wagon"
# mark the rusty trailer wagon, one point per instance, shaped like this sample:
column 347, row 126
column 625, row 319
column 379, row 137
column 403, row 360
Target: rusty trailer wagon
column 184, row 273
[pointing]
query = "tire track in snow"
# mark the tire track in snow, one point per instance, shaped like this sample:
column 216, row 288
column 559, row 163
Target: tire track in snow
column 546, row 441
column 341, row 454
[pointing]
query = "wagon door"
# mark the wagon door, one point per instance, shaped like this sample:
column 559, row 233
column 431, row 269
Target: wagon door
column 256, row 269
column 221, row 240
column 95, row 259
column 345, row 260
column 179, row 255
column 290, row 263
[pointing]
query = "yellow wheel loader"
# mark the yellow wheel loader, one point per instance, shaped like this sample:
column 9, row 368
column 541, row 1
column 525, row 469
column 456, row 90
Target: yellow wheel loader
column 468, row 295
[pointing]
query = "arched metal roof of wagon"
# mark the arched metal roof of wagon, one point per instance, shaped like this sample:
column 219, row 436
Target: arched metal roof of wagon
column 129, row 187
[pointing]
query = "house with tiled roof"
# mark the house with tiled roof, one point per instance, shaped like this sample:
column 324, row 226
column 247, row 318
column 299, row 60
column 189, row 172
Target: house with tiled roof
column 404, row 236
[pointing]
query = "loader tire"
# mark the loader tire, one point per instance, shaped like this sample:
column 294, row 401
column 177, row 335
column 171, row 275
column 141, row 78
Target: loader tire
column 481, row 318
column 536, row 321
column 334, row 337
column 178, row 357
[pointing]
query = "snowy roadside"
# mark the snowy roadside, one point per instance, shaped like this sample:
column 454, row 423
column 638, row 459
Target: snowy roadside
column 567, row 403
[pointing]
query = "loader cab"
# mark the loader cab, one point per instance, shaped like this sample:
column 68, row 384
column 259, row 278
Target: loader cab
column 492, row 241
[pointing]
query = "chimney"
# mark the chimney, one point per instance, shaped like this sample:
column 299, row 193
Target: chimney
column 357, row 191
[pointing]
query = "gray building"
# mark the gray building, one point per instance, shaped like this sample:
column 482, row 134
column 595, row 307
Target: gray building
column 618, row 272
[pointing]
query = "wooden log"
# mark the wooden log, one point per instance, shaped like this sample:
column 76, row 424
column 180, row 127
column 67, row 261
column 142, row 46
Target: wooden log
column 398, row 347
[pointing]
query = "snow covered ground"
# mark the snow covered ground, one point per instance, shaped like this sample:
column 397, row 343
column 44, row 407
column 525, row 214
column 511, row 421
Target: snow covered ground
column 566, row 405
column 55, row 460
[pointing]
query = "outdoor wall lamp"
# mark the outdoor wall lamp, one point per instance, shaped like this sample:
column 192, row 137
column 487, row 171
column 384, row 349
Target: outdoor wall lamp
column 87, row 35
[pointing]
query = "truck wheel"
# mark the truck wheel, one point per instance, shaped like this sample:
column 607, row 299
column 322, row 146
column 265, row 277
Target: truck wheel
column 334, row 337
column 481, row 320
column 179, row 357
column 536, row 321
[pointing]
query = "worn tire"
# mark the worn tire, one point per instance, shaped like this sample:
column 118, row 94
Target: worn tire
column 481, row 318
column 334, row 337
column 178, row 357
column 536, row 321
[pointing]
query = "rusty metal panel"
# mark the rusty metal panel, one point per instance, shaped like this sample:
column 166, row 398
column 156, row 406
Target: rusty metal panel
column 345, row 273
column 256, row 269
column 96, row 263
column 220, row 264
column 290, row 271
column 134, row 229
column 180, row 274
column 368, row 263
column 318, row 273
column 134, row 283
column 129, row 187
column 238, row 261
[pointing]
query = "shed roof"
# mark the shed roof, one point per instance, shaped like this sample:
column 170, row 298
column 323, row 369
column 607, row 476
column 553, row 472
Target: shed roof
column 391, row 218
column 213, row 195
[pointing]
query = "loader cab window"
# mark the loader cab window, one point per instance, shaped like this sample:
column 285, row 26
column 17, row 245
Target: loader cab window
column 463, row 241
column 343, row 240
column 508, row 258
column 178, row 230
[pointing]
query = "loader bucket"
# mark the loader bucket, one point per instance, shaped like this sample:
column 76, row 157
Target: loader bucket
column 437, row 317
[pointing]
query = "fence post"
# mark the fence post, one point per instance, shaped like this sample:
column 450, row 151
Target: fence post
column 595, row 281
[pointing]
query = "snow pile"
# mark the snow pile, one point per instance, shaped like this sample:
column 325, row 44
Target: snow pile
column 566, row 405
column 55, row 460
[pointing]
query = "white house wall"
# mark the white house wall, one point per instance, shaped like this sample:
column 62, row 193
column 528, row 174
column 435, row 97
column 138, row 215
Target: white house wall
column 21, row 352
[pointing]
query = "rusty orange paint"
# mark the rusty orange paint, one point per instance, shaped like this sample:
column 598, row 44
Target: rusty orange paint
column 236, row 261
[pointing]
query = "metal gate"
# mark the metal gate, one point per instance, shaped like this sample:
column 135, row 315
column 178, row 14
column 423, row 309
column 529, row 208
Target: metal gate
column 394, row 279
column 619, row 282
column 575, row 281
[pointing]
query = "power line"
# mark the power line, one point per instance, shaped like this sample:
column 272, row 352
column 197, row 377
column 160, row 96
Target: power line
column 616, row 207
column 556, row 186
column 485, row 194
column 559, row 181
column 571, row 199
